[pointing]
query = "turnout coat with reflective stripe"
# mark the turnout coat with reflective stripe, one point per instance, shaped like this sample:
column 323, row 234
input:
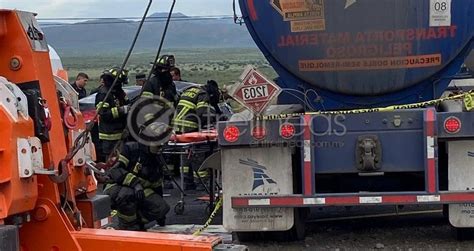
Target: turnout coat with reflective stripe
column 193, row 111
column 154, row 87
column 136, row 165
column 112, row 120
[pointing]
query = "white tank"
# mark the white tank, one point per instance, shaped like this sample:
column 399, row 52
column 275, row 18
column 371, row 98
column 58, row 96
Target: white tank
column 56, row 63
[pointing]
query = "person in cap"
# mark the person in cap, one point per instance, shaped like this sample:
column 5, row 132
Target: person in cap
column 140, row 79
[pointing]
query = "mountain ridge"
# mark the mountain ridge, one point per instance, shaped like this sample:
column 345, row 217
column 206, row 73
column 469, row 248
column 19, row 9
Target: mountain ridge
column 116, row 34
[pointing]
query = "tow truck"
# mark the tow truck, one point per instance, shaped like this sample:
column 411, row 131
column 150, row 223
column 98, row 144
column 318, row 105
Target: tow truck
column 48, row 197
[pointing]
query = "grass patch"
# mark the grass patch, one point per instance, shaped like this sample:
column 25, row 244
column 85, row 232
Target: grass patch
column 197, row 65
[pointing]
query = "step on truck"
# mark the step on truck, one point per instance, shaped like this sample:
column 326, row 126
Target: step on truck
column 375, row 109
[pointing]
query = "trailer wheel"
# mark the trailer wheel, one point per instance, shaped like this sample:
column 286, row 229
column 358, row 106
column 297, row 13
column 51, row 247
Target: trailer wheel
column 298, row 231
column 299, row 228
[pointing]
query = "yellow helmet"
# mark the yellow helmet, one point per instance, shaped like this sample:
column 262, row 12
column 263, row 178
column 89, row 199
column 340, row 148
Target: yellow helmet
column 114, row 72
column 165, row 62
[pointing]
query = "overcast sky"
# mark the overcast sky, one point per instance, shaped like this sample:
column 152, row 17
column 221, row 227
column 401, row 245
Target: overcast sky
column 116, row 8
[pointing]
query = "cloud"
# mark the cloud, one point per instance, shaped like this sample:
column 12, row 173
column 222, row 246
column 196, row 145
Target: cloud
column 116, row 8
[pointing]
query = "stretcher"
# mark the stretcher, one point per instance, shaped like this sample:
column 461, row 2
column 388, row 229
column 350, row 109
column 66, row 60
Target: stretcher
column 185, row 145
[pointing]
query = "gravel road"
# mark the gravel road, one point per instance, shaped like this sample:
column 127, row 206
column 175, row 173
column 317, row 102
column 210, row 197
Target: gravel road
column 423, row 231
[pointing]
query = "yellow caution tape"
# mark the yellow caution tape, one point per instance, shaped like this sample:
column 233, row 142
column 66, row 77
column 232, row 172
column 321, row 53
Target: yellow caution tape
column 468, row 98
column 211, row 217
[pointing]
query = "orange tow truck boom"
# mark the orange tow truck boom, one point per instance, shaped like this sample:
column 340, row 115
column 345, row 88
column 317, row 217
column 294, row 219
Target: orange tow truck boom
column 46, row 204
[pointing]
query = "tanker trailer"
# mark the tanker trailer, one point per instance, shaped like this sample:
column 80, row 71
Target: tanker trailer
column 378, row 125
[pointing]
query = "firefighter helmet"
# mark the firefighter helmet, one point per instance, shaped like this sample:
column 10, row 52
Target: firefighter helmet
column 116, row 73
column 165, row 62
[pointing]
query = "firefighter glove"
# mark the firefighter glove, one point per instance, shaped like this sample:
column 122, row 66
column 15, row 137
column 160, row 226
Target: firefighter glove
column 125, row 109
column 139, row 192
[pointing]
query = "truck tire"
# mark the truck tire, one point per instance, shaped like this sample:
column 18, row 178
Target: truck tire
column 298, row 231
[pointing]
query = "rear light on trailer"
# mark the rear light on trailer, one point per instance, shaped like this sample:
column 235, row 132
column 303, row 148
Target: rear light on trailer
column 287, row 131
column 259, row 132
column 452, row 125
column 231, row 133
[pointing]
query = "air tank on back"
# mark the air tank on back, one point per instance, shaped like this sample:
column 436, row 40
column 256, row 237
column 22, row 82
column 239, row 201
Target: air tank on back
column 346, row 54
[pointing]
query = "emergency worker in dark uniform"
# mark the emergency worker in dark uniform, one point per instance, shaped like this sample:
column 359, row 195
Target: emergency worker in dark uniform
column 197, row 109
column 134, row 187
column 113, row 115
column 161, row 85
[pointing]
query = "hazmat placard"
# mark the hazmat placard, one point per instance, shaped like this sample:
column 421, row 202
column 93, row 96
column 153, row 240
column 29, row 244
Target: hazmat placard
column 255, row 91
column 440, row 13
column 304, row 15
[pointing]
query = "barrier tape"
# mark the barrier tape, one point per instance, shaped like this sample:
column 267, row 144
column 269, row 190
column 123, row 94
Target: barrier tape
column 468, row 98
column 211, row 217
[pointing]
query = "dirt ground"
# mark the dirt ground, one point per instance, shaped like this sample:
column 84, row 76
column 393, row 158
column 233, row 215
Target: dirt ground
column 361, row 228
column 419, row 232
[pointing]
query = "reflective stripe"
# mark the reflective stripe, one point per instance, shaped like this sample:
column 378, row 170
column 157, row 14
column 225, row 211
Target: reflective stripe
column 185, row 123
column 104, row 105
column 127, row 218
column 183, row 112
column 115, row 112
column 184, row 169
column 186, row 103
column 144, row 220
column 123, row 159
column 137, row 168
column 202, row 104
column 148, row 192
column 128, row 179
column 147, row 94
column 157, row 184
column 114, row 136
column 170, row 167
column 148, row 184
column 109, row 186
column 201, row 174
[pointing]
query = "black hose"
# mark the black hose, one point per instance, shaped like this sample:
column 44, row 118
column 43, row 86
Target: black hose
column 125, row 132
column 81, row 139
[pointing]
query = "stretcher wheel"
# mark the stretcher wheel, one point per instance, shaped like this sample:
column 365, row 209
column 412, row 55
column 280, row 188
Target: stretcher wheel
column 179, row 208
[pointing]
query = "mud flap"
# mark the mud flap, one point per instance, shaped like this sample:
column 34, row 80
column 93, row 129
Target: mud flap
column 461, row 178
column 254, row 172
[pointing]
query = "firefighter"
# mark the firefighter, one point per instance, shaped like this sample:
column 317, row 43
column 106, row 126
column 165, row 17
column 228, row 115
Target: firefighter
column 113, row 115
column 133, row 189
column 161, row 83
column 197, row 109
